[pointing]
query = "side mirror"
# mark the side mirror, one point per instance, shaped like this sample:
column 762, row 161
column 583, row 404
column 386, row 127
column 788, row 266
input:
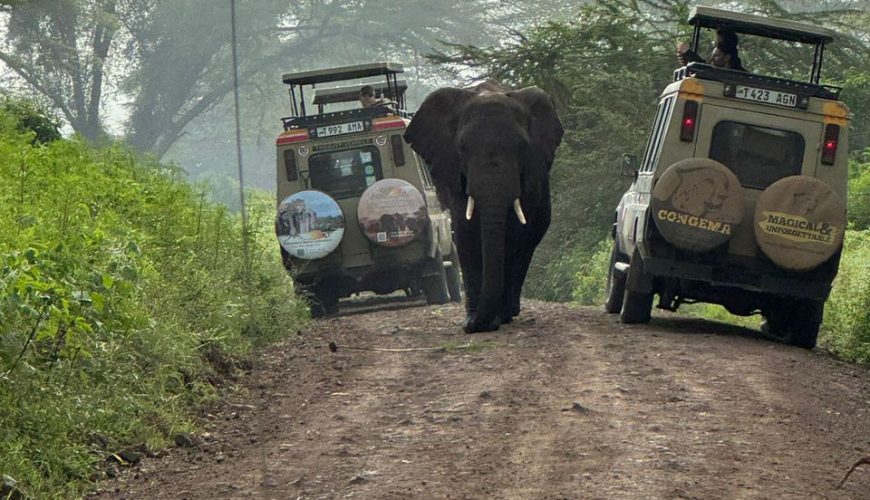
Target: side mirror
column 629, row 165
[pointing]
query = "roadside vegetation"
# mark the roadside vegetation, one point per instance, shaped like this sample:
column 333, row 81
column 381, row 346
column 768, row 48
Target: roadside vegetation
column 124, row 300
column 605, row 68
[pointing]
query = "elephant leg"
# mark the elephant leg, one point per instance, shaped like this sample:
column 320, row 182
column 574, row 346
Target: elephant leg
column 523, row 240
column 518, row 277
column 514, row 271
column 470, row 249
column 468, row 246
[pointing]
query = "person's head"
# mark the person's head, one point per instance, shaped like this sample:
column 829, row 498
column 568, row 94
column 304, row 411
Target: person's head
column 367, row 95
column 725, row 53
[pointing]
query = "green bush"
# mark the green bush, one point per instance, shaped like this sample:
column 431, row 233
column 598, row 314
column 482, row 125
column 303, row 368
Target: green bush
column 859, row 190
column 124, row 295
column 28, row 116
column 846, row 328
column 591, row 275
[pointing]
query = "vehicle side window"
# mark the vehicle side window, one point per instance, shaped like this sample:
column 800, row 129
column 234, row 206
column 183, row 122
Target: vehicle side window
column 759, row 156
column 654, row 145
column 345, row 174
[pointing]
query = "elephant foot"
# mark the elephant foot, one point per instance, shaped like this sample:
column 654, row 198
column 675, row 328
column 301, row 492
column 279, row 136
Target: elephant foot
column 474, row 324
column 509, row 313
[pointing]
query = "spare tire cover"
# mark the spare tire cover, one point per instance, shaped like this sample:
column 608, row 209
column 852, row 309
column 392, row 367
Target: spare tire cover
column 309, row 224
column 392, row 213
column 799, row 222
column 696, row 203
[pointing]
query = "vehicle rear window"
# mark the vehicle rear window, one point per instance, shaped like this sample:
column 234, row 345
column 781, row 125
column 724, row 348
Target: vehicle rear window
column 345, row 174
column 759, row 156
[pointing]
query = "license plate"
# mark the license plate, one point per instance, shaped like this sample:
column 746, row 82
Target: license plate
column 340, row 128
column 765, row 95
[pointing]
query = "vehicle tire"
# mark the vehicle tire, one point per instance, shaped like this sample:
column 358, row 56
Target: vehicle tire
column 454, row 280
column 324, row 302
column 636, row 306
column 614, row 289
column 794, row 322
column 435, row 286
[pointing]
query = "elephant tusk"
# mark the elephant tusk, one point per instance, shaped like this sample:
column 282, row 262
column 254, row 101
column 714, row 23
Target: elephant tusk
column 519, row 210
column 470, row 209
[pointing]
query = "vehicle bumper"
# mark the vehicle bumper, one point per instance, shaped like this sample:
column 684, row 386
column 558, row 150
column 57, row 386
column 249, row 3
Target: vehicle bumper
column 729, row 276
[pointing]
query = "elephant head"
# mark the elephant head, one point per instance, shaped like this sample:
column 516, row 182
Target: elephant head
column 490, row 151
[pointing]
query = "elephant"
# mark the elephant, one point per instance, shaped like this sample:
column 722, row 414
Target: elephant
column 490, row 150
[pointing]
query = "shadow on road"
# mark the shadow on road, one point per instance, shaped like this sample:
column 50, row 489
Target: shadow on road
column 701, row 326
column 366, row 303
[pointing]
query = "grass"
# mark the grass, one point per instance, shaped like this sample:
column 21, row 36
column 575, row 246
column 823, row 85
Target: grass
column 470, row 347
column 124, row 298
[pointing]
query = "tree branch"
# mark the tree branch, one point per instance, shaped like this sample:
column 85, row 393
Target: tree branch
column 26, row 73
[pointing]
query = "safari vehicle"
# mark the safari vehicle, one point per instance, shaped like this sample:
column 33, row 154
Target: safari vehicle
column 739, row 199
column 357, row 208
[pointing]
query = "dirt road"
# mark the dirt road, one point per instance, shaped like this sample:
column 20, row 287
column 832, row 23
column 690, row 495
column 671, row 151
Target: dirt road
column 564, row 403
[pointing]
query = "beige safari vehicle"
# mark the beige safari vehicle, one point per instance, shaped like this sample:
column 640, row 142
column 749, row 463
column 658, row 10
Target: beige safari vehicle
column 740, row 197
column 357, row 209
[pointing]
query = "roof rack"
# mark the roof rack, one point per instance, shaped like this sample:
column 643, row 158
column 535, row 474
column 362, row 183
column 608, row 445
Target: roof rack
column 768, row 27
column 731, row 78
column 366, row 114
column 750, row 24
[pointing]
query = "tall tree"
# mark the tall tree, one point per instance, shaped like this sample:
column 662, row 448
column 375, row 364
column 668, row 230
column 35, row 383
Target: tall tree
column 59, row 48
column 183, row 49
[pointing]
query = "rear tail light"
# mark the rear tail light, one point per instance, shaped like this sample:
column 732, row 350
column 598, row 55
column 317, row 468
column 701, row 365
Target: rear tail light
column 388, row 122
column 829, row 146
column 292, row 135
column 398, row 149
column 290, row 165
column 690, row 120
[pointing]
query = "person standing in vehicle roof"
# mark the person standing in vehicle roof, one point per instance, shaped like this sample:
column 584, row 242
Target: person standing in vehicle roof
column 724, row 55
column 367, row 97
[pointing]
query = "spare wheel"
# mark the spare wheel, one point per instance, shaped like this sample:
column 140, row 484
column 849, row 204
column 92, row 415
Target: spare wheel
column 696, row 203
column 799, row 222
column 392, row 213
column 309, row 225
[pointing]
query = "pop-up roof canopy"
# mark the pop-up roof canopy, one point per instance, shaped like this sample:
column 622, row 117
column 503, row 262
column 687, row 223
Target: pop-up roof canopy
column 768, row 27
column 355, row 72
column 389, row 70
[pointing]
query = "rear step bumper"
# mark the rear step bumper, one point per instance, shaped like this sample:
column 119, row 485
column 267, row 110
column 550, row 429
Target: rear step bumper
column 738, row 277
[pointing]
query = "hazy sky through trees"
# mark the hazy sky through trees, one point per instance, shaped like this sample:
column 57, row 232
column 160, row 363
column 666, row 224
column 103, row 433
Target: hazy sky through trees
column 157, row 73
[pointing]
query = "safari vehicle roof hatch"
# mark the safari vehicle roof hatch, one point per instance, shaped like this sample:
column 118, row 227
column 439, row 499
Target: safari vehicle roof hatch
column 767, row 27
column 298, row 81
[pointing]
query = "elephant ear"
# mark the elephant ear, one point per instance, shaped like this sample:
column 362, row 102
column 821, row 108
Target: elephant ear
column 432, row 134
column 545, row 128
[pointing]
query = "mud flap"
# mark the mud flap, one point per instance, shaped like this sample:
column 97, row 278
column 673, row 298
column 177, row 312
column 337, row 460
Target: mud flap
column 638, row 280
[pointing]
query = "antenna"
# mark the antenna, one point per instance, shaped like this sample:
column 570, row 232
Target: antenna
column 245, row 249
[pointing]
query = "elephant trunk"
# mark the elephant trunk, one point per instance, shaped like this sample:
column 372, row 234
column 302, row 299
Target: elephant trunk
column 492, row 228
